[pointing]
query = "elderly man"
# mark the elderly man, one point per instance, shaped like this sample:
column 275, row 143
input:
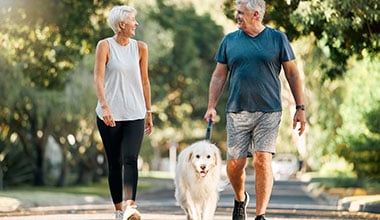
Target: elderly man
column 253, row 57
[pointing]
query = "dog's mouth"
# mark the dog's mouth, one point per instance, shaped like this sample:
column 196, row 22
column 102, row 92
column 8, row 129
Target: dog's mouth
column 203, row 173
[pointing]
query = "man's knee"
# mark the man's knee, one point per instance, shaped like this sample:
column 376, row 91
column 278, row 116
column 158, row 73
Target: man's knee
column 236, row 165
column 262, row 160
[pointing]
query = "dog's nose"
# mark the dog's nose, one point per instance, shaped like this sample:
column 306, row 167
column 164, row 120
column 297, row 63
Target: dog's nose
column 203, row 166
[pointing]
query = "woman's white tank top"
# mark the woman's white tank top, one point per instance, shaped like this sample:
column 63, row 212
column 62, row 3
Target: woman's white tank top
column 122, row 82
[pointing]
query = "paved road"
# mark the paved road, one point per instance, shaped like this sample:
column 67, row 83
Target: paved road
column 290, row 200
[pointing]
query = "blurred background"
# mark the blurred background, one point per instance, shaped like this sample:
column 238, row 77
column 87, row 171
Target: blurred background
column 48, row 135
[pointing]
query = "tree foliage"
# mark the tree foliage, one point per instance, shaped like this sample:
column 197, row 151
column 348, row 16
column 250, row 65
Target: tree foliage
column 363, row 150
column 48, row 43
column 39, row 50
column 343, row 29
column 359, row 137
column 53, row 94
column 180, row 78
column 46, row 87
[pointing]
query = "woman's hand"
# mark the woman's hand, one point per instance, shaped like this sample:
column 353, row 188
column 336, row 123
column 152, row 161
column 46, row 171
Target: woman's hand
column 148, row 124
column 107, row 117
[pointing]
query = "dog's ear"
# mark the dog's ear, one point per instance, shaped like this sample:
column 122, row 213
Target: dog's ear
column 190, row 156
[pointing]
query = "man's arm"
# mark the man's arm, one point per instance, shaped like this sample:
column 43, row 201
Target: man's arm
column 218, row 80
column 295, row 83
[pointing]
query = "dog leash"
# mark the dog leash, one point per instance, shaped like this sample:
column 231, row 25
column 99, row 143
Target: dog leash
column 209, row 130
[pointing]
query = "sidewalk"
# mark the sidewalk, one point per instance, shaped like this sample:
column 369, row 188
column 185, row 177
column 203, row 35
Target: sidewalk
column 24, row 204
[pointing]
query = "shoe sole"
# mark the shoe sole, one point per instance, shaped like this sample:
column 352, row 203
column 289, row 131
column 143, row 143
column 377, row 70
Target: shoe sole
column 246, row 205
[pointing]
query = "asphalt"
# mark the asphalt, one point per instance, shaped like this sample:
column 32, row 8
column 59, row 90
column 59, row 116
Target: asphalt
column 45, row 205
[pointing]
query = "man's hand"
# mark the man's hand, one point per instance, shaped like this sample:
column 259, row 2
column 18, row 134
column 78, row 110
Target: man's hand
column 299, row 117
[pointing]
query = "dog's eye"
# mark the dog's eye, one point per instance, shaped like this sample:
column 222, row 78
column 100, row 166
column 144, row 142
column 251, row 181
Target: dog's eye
column 208, row 156
column 197, row 156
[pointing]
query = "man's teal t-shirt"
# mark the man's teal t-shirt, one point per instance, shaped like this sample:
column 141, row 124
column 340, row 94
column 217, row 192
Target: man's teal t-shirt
column 254, row 65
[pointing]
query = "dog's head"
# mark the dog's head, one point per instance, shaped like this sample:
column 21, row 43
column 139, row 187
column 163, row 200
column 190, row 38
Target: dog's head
column 204, row 157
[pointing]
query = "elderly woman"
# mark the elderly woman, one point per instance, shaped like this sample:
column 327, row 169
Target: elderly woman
column 124, row 106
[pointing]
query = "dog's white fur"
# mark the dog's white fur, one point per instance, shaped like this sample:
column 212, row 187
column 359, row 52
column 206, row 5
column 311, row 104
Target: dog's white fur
column 197, row 180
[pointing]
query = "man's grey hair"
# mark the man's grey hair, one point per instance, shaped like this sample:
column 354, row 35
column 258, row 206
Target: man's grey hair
column 254, row 5
column 119, row 14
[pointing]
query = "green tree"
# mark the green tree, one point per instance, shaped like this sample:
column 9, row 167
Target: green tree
column 342, row 29
column 181, row 75
column 42, row 47
column 363, row 149
column 358, row 138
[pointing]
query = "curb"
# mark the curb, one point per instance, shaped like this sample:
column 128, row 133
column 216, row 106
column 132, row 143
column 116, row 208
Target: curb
column 368, row 203
column 8, row 204
column 360, row 204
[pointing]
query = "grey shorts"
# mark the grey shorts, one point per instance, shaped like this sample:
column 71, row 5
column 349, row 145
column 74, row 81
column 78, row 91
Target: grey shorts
column 247, row 128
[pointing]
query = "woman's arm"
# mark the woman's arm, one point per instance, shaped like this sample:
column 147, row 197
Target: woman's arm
column 143, row 51
column 101, row 59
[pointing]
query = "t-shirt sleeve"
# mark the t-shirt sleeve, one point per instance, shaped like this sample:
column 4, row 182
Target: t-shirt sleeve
column 221, row 55
column 286, row 53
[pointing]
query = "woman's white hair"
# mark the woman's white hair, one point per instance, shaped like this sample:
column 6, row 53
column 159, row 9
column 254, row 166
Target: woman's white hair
column 119, row 14
column 254, row 5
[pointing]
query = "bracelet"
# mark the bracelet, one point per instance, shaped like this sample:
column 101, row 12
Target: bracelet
column 149, row 110
column 301, row 107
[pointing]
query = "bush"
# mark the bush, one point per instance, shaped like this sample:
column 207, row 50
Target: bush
column 364, row 150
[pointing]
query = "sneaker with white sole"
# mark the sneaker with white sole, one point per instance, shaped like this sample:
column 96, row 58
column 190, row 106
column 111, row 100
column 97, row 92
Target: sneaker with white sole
column 260, row 217
column 119, row 215
column 131, row 213
column 240, row 209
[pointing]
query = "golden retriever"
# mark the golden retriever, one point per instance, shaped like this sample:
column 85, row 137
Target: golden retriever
column 197, row 180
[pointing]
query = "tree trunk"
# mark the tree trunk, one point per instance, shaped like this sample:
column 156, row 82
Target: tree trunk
column 62, row 180
column 39, row 174
column 1, row 178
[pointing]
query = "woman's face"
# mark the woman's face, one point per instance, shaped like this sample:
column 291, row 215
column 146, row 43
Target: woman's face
column 128, row 27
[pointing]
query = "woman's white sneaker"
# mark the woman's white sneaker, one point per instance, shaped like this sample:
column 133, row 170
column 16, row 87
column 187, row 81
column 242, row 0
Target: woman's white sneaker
column 119, row 215
column 131, row 213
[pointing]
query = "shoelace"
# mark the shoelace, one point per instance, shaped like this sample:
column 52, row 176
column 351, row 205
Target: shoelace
column 131, row 207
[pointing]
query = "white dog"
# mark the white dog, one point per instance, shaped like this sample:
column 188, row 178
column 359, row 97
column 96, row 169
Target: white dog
column 197, row 180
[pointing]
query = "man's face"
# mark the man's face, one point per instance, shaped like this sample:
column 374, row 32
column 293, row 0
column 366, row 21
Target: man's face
column 243, row 17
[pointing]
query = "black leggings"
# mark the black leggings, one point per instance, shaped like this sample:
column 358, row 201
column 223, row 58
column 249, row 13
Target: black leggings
column 122, row 144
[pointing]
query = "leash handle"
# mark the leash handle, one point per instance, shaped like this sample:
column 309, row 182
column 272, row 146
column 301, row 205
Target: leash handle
column 209, row 130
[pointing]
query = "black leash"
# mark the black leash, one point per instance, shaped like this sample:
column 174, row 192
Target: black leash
column 209, row 130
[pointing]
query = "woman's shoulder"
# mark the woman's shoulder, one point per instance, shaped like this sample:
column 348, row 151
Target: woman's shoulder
column 103, row 45
column 104, row 42
column 142, row 45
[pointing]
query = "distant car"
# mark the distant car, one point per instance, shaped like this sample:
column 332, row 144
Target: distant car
column 284, row 166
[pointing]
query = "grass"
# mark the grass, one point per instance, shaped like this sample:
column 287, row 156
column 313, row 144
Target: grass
column 347, row 182
column 147, row 180
column 32, row 196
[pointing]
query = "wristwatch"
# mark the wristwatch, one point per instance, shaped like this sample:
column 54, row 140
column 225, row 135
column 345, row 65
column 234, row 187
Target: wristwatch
column 301, row 107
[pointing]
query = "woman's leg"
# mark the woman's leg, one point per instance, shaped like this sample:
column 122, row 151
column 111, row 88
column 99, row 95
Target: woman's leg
column 112, row 137
column 133, row 133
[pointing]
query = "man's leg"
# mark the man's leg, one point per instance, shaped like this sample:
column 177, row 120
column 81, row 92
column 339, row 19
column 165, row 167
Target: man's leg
column 236, row 174
column 263, row 180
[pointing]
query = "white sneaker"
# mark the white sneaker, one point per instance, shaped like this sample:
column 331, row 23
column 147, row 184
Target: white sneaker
column 131, row 213
column 119, row 215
